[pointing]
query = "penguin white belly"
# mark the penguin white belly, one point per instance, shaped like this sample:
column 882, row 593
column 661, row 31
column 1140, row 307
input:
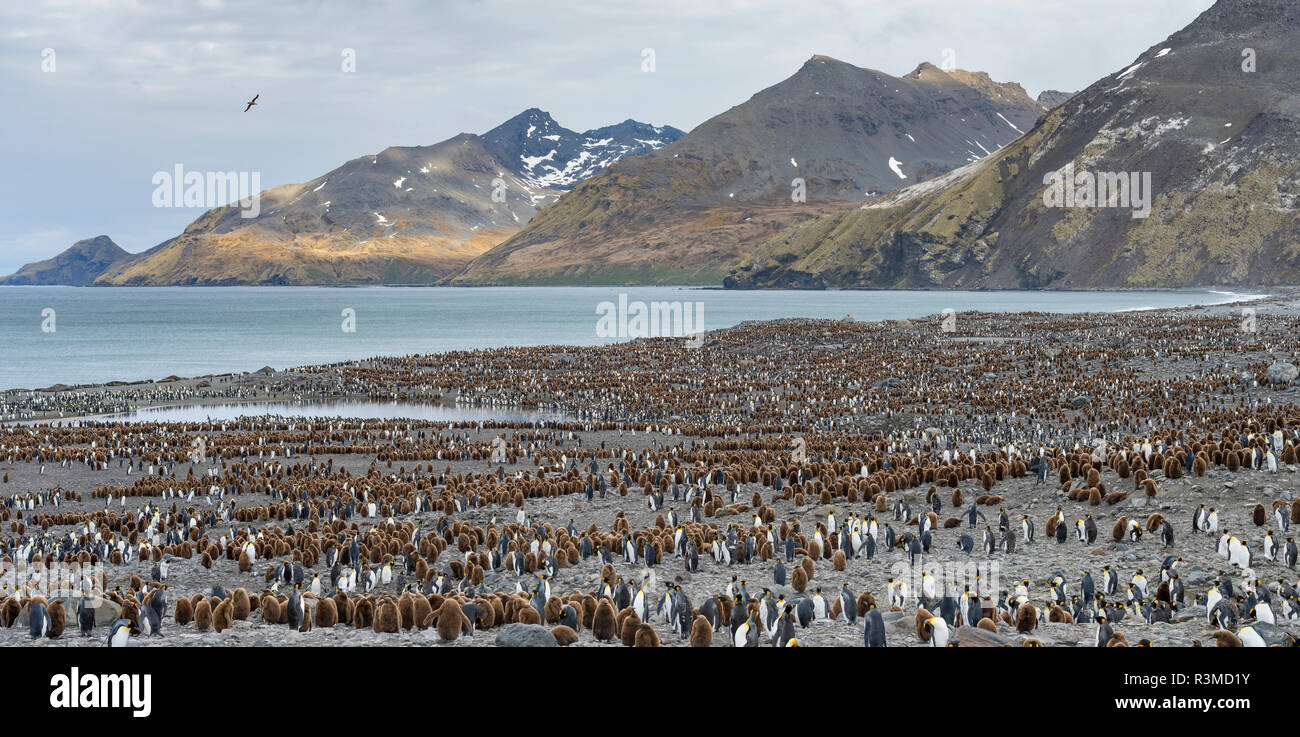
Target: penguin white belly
column 1250, row 638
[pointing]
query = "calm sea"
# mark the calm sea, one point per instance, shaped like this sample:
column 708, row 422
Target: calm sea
column 128, row 334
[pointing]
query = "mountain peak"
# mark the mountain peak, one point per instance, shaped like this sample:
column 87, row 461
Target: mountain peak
column 78, row 266
column 923, row 70
column 532, row 120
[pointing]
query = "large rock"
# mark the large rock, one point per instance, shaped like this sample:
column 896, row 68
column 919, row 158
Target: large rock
column 525, row 635
column 821, row 511
column 976, row 637
column 1282, row 372
column 898, row 623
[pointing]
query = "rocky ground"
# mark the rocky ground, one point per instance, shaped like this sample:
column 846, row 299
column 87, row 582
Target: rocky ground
column 1151, row 362
column 1233, row 494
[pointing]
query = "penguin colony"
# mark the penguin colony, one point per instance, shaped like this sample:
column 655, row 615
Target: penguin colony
column 1121, row 505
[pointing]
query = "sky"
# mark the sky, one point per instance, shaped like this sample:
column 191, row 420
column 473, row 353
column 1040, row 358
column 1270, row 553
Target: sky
column 103, row 94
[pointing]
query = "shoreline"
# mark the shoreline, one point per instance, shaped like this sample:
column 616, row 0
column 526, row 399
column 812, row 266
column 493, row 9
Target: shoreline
column 116, row 384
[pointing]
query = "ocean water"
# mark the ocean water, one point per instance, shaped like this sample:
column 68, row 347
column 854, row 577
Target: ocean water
column 103, row 334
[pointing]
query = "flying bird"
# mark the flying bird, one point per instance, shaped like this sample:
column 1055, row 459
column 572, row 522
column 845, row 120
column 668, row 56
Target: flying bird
column 252, row 102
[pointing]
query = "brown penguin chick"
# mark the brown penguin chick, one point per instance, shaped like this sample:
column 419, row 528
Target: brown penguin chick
column 387, row 619
column 363, row 613
column 922, row 616
column 838, row 562
column 1119, row 528
column 701, row 632
column 270, row 609
column 10, row 609
column 487, row 613
column 587, row 610
column 809, row 568
column 420, row 610
column 602, row 623
column 203, row 616
column 327, row 613
column 245, row 563
column 1094, row 496
column 343, row 607
column 1117, row 640
column 241, row 606
column 1059, row 615
column 184, row 611
column 526, row 614
column 1051, row 526
column 645, row 636
column 450, row 619
column 1149, row 487
column 865, row 602
column 553, row 610
column 1224, row 638
column 621, row 617
column 1026, row 618
column 1154, row 520
column 628, row 633
column 564, row 635
column 58, row 618
column 799, row 579
column 221, row 616
column 987, row 624
column 1258, row 516
column 308, row 605
column 406, row 609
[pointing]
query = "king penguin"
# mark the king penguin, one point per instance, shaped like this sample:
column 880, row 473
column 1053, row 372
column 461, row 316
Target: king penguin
column 150, row 621
column 874, row 635
column 85, row 616
column 38, row 620
column 1104, row 632
column 119, row 633
column 938, row 630
column 848, row 604
column 783, row 631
